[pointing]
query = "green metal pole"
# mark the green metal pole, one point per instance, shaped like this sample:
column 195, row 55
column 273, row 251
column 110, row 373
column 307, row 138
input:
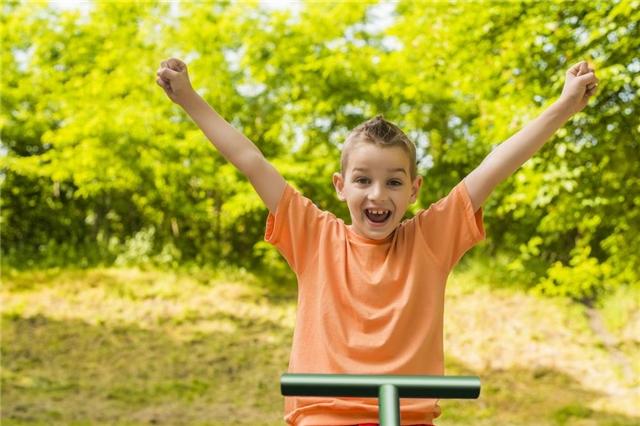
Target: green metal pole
column 389, row 405
column 387, row 388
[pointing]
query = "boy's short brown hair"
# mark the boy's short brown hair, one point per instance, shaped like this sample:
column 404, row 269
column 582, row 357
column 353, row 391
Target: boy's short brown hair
column 381, row 132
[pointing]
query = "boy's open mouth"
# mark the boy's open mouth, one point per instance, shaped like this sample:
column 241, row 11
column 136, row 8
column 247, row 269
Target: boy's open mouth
column 377, row 215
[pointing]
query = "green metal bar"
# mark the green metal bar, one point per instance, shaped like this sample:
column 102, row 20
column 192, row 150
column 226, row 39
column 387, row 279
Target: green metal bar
column 387, row 388
column 389, row 405
column 366, row 385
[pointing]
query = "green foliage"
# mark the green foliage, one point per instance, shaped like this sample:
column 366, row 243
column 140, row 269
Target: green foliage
column 584, row 277
column 99, row 167
column 571, row 206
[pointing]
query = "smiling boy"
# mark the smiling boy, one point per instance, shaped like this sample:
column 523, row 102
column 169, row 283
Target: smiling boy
column 379, row 177
column 371, row 294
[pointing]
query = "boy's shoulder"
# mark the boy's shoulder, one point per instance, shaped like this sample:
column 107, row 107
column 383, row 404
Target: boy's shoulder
column 305, row 202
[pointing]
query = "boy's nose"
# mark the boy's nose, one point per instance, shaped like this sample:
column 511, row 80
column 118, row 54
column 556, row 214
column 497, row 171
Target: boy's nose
column 377, row 192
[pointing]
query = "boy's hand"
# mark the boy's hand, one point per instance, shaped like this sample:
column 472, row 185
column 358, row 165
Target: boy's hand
column 580, row 84
column 174, row 79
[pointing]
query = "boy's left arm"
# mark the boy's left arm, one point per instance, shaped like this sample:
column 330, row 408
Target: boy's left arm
column 580, row 84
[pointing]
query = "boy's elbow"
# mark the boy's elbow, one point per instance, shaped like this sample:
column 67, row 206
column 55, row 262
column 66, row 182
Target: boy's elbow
column 249, row 162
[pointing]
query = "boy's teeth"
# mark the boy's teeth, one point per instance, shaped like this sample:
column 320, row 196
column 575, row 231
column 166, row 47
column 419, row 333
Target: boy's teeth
column 378, row 216
column 377, row 212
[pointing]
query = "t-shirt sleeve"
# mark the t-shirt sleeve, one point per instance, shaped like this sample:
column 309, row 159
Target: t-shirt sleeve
column 450, row 227
column 295, row 228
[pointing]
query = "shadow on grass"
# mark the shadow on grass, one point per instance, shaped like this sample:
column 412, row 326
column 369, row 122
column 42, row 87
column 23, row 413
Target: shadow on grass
column 71, row 372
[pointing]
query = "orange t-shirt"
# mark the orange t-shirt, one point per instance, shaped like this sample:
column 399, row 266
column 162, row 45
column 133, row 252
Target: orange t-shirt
column 369, row 306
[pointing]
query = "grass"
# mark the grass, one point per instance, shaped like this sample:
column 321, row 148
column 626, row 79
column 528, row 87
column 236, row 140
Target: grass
column 134, row 347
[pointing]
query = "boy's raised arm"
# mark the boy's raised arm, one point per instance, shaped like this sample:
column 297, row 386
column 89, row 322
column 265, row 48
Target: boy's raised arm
column 233, row 145
column 507, row 157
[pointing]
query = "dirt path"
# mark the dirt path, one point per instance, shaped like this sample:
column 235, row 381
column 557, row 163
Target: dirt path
column 610, row 342
column 493, row 330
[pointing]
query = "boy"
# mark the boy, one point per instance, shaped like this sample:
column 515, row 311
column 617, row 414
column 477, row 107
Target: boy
column 371, row 294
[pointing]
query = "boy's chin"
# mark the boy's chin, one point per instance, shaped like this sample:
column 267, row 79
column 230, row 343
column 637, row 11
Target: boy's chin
column 377, row 233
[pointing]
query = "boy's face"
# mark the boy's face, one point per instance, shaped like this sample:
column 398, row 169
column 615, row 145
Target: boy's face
column 376, row 179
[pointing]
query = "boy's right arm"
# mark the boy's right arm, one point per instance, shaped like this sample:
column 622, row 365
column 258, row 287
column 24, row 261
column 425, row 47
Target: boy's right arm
column 233, row 145
column 237, row 149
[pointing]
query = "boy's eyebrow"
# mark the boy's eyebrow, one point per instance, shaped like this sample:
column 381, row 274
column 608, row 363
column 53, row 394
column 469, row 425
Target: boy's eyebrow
column 399, row 169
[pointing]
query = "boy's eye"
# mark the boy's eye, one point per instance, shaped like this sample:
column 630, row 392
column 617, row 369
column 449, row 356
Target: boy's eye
column 365, row 180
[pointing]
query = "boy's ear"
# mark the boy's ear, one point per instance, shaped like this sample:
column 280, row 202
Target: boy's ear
column 415, row 189
column 338, row 183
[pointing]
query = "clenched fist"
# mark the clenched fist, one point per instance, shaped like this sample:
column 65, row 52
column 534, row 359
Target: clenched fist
column 174, row 79
column 581, row 83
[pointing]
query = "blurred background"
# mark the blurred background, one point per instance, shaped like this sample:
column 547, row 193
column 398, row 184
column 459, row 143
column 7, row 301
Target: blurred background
column 136, row 284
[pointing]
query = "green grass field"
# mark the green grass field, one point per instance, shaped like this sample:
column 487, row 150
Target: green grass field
column 137, row 347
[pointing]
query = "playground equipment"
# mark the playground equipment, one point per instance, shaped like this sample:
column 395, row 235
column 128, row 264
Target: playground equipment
column 387, row 388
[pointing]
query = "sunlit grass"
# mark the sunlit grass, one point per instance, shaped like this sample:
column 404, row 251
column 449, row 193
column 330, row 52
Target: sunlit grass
column 132, row 346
